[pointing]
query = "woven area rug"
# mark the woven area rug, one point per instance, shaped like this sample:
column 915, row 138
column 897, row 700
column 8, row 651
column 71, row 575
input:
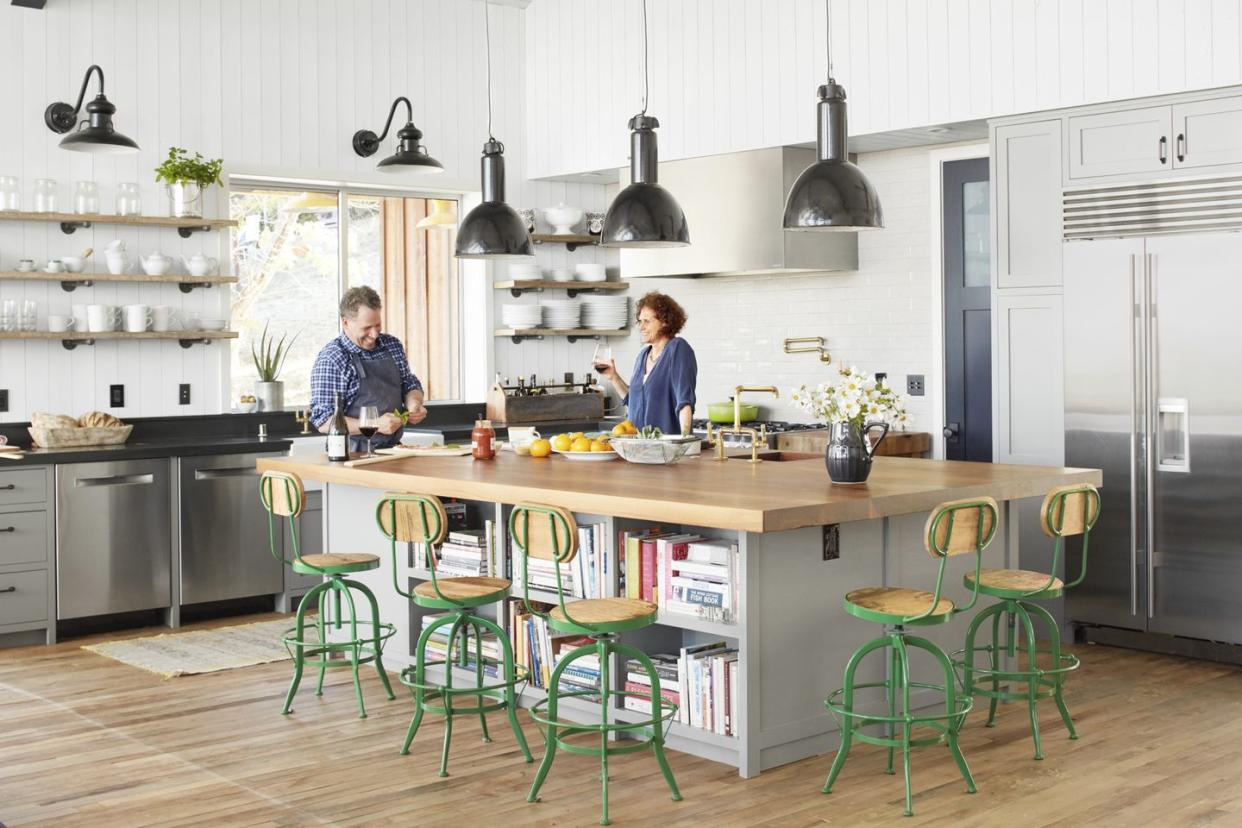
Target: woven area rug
column 200, row 651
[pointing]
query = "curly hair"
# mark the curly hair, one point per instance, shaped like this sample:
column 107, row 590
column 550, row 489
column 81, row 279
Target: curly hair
column 670, row 314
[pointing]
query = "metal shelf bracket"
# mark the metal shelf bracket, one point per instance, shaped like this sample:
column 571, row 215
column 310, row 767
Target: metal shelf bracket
column 69, row 286
column 68, row 227
column 189, row 230
column 186, row 287
column 70, row 344
column 190, row 343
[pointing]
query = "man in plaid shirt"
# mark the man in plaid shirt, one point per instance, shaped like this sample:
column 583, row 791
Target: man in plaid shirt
column 366, row 367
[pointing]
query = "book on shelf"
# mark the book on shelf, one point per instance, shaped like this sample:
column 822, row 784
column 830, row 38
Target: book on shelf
column 637, row 681
column 438, row 646
column 586, row 576
column 539, row 648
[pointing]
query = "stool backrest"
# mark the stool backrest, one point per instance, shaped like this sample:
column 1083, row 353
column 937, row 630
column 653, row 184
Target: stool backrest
column 1068, row 511
column 545, row 532
column 282, row 494
column 412, row 518
column 959, row 527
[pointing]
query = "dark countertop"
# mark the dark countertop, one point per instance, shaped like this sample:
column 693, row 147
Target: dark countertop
column 143, row 449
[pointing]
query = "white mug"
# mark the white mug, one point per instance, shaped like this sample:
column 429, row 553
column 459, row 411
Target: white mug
column 79, row 317
column 100, row 318
column 137, row 318
column 191, row 323
column 117, row 262
column 164, row 318
column 54, row 266
column 25, row 265
column 58, row 323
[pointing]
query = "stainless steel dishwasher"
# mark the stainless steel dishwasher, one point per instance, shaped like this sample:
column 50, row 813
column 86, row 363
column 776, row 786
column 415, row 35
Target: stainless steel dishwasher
column 222, row 531
column 113, row 537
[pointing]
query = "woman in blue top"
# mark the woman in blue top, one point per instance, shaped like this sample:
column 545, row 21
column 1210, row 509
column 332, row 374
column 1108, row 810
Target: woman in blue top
column 661, row 390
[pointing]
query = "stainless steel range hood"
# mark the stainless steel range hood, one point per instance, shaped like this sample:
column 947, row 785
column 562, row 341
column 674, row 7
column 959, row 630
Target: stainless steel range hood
column 734, row 205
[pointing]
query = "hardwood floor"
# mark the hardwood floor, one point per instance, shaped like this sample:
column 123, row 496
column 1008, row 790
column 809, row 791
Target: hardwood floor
column 85, row 740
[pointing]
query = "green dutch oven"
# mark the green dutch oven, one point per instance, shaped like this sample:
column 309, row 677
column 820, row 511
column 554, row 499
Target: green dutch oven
column 722, row 412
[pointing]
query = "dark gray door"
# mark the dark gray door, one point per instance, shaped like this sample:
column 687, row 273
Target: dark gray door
column 967, row 311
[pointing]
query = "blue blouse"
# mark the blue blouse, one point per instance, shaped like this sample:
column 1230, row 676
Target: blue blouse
column 668, row 388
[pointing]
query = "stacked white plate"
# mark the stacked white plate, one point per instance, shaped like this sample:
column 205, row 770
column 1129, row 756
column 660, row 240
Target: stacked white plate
column 520, row 271
column 604, row 312
column 588, row 272
column 521, row 316
column 561, row 313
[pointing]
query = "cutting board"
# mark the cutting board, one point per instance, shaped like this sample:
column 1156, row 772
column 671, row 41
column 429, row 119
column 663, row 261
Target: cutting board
column 384, row 455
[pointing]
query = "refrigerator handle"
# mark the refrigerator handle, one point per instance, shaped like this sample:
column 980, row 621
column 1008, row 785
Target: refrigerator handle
column 1136, row 317
column 1149, row 400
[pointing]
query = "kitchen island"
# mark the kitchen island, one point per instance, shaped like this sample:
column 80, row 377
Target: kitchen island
column 803, row 543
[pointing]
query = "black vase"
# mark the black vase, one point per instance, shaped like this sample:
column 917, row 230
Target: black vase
column 848, row 455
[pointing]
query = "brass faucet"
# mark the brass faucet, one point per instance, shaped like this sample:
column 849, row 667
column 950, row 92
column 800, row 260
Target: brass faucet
column 737, row 421
column 302, row 415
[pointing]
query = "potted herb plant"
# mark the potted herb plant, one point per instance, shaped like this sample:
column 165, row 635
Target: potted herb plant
column 186, row 177
column 852, row 404
column 269, row 358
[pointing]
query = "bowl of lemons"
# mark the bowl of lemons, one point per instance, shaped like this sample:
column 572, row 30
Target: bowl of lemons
column 590, row 447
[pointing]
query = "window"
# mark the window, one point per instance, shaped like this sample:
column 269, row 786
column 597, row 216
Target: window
column 287, row 257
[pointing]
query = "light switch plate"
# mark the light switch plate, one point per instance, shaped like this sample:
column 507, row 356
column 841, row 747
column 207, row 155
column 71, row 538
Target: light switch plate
column 4, row 399
column 914, row 385
column 183, row 394
column 116, row 396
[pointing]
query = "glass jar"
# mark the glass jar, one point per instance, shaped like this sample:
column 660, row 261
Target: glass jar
column 46, row 191
column 128, row 200
column 10, row 193
column 483, row 440
column 86, row 198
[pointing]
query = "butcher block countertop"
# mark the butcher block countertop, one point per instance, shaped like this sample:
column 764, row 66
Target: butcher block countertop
column 771, row 496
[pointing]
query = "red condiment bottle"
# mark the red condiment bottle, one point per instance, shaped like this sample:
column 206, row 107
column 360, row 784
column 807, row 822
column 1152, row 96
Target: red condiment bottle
column 483, row 440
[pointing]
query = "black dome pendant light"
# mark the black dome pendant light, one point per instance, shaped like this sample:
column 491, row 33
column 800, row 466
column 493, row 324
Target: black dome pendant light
column 832, row 193
column 493, row 229
column 95, row 134
column 644, row 214
column 411, row 156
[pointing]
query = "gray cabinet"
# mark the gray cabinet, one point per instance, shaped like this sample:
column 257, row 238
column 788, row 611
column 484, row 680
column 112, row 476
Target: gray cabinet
column 1027, row 180
column 1119, row 143
column 1207, row 133
column 1029, row 389
column 27, row 600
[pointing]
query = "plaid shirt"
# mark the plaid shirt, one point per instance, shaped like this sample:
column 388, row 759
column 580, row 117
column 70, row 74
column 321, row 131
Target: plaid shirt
column 334, row 373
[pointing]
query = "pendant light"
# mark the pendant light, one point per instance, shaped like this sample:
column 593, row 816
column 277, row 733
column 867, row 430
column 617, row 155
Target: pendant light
column 441, row 217
column 493, row 229
column 95, row 134
column 644, row 214
column 411, row 156
column 832, row 193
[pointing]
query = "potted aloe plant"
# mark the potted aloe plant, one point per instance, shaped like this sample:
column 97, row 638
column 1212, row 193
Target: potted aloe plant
column 186, row 177
column 852, row 404
column 269, row 358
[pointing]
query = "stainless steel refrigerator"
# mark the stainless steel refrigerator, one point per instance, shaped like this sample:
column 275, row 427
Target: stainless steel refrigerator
column 1153, row 396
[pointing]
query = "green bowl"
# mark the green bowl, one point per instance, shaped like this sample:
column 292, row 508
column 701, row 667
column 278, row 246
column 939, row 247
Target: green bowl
column 722, row 412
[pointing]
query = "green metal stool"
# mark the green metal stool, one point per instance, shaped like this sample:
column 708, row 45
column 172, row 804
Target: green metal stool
column 955, row 528
column 1066, row 511
column 284, row 495
column 549, row 533
column 420, row 519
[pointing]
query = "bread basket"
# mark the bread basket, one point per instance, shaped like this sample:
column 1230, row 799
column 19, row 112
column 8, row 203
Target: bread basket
column 71, row 437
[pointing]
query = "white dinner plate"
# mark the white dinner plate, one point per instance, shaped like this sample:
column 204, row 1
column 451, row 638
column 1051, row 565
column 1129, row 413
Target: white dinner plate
column 587, row 456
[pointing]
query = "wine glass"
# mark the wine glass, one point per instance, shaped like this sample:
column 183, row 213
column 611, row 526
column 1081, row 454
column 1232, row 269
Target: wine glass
column 601, row 360
column 368, row 424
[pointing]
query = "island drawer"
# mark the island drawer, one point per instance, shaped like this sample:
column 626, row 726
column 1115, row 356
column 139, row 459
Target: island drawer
column 23, row 486
column 23, row 597
column 23, row 537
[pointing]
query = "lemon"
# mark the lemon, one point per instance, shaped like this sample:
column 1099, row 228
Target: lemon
column 540, row 448
column 577, row 435
column 600, row 445
column 581, row 444
column 561, row 442
column 620, row 430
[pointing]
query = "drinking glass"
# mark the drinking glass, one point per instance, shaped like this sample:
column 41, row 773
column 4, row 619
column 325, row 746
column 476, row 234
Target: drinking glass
column 601, row 360
column 368, row 424
column 45, row 192
column 8, row 315
column 128, row 200
column 30, row 315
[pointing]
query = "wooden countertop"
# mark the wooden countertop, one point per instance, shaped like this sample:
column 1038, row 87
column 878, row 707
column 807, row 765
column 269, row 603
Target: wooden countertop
column 701, row 491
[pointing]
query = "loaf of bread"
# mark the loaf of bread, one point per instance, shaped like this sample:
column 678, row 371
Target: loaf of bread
column 41, row 419
column 99, row 419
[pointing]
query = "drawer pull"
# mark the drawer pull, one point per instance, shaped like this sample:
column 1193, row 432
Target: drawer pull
column 116, row 480
column 8, row 589
column 217, row 474
column 8, row 488
column 9, row 529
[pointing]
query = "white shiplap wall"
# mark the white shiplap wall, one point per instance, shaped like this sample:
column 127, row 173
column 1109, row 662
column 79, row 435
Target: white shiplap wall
column 274, row 87
column 732, row 75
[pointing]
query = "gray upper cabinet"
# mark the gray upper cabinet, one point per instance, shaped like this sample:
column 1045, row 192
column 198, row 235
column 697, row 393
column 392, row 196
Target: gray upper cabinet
column 1207, row 133
column 1120, row 143
column 1027, row 176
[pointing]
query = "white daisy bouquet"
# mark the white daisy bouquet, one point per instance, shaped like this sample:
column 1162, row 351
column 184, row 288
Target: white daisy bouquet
column 853, row 397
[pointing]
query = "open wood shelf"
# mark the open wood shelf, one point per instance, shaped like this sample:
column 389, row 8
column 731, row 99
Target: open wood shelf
column 571, row 242
column 574, row 334
column 71, row 281
column 72, row 339
column 520, row 286
column 69, row 222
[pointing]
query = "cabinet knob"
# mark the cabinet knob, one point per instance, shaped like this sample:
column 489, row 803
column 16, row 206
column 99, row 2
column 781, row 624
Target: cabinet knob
column 8, row 589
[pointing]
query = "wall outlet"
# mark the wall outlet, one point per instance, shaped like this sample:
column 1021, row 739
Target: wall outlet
column 914, row 385
column 4, row 399
column 116, row 396
column 832, row 541
column 183, row 394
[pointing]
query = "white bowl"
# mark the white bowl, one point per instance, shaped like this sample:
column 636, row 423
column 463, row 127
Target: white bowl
column 524, row 271
column 214, row 324
column 73, row 264
column 590, row 272
column 562, row 217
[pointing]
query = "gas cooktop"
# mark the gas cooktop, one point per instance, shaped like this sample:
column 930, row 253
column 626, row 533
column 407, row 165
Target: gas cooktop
column 774, row 426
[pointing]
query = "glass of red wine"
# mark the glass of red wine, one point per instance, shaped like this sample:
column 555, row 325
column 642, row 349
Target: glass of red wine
column 601, row 360
column 368, row 424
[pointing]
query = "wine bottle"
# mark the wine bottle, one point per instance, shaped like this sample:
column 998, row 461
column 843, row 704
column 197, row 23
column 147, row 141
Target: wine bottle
column 338, row 434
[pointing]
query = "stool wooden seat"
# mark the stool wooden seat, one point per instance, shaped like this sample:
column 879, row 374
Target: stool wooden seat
column 1016, row 583
column 550, row 533
column 1067, row 511
column 421, row 520
column 284, row 495
column 603, row 615
column 446, row 593
column 335, row 562
column 893, row 605
column 959, row 527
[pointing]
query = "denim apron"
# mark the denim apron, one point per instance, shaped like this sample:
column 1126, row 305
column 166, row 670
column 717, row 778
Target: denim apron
column 381, row 387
